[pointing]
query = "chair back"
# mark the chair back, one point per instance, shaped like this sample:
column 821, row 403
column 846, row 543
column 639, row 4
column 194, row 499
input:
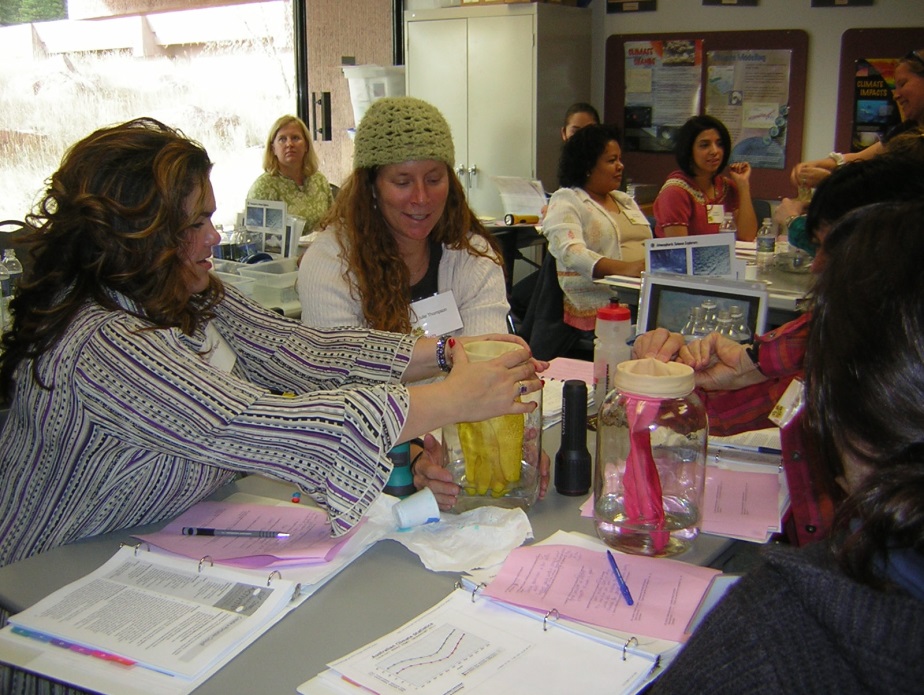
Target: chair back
column 543, row 326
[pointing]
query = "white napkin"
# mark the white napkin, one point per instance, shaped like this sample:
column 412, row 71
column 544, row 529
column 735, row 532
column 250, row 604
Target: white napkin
column 480, row 537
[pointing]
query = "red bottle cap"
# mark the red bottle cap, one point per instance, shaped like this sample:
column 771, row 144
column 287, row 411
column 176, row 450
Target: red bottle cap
column 614, row 313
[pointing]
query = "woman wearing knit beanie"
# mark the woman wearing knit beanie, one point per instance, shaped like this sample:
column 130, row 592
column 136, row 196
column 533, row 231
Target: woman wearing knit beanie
column 401, row 231
column 401, row 250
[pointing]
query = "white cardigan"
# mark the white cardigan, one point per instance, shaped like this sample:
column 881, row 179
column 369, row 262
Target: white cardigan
column 477, row 284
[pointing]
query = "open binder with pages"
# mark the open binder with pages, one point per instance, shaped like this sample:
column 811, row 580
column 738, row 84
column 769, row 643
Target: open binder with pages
column 149, row 623
column 552, row 620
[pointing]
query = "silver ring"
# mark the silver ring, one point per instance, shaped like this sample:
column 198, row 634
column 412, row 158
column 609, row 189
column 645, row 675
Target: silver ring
column 522, row 388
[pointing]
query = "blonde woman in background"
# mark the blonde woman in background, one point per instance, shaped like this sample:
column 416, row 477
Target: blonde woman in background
column 291, row 173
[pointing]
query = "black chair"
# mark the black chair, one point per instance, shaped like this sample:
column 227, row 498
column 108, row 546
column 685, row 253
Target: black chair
column 761, row 210
column 543, row 326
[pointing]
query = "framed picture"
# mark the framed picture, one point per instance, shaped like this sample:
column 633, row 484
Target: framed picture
column 743, row 3
column 841, row 3
column 631, row 6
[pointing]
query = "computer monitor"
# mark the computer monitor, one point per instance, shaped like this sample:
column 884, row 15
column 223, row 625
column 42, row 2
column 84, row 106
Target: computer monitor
column 665, row 300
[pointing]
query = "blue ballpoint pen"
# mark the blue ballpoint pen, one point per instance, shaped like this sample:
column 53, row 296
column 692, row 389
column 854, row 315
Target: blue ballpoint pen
column 619, row 580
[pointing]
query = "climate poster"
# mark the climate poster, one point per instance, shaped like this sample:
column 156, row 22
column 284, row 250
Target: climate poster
column 663, row 81
column 875, row 110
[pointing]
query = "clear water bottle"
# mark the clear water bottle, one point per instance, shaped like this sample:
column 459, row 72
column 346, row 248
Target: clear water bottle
column 724, row 325
column 728, row 224
column 766, row 245
column 687, row 330
column 710, row 314
column 612, row 331
column 700, row 327
column 14, row 267
column 742, row 331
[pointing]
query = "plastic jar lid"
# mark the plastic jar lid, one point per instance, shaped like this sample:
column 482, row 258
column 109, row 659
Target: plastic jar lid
column 653, row 378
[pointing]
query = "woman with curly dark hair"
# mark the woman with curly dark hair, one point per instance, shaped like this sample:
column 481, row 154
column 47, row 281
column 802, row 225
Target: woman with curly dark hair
column 844, row 617
column 401, row 231
column 138, row 384
column 593, row 228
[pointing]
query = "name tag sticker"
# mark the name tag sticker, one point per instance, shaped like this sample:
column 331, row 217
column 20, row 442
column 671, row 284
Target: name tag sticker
column 636, row 216
column 220, row 355
column 436, row 315
column 789, row 405
column 715, row 214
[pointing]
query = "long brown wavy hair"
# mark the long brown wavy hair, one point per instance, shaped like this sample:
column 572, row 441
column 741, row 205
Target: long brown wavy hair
column 377, row 274
column 112, row 218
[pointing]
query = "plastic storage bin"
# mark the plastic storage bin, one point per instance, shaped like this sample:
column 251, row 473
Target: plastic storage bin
column 244, row 284
column 371, row 82
column 275, row 281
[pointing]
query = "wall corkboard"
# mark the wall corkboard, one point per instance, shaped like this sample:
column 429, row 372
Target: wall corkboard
column 652, row 167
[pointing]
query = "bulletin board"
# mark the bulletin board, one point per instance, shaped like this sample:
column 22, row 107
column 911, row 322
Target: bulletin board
column 653, row 167
column 865, row 44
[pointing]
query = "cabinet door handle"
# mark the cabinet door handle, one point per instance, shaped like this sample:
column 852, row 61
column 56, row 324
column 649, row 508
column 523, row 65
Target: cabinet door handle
column 472, row 173
column 460, row 170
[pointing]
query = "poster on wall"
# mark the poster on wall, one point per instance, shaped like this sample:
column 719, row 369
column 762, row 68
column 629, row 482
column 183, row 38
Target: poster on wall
column 875, row 110
column 749, row 92
column 662, row 91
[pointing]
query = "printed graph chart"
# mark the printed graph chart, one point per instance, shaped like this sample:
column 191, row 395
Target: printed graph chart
column 444, row 649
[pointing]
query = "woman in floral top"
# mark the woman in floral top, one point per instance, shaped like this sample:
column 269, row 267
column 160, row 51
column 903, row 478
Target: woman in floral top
column 291, row 173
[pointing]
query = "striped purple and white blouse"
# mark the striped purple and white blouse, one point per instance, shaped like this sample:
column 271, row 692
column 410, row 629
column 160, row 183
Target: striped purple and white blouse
column 138, row 426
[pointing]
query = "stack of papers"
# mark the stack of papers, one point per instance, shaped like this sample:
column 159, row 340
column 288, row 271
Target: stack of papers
column 560, row 370
column 551, row 603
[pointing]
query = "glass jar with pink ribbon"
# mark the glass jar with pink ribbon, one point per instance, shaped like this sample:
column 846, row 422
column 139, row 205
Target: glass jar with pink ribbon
column 650, row 465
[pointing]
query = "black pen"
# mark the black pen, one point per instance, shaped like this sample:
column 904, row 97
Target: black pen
column 194, row 531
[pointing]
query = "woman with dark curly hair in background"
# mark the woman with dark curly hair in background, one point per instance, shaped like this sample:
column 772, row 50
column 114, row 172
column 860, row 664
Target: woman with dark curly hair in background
column 593, row 228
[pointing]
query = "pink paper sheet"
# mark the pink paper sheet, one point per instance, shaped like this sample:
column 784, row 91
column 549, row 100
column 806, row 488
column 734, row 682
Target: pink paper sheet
column 580, row 585
column 310, row 540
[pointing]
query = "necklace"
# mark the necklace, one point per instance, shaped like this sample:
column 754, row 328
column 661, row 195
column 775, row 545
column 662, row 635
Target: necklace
column 418, row 269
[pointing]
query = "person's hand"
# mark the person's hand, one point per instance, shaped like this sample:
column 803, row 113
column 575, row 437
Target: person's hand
column 429, row 472
column 482, row 390
column 660, row 344
column 635, row 268
column 720, row 364
column 539, row 365
column 545, row 467
column 787, row 209
column 740, row 173
column 810, row 174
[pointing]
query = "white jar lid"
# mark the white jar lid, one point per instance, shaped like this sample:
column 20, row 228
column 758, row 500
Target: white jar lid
column 653, row 378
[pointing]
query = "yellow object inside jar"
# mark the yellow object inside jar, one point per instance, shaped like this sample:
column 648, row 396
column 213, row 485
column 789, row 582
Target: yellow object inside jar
column 493, row 452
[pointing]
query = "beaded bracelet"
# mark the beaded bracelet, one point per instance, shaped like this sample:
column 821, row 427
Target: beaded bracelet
column 441, row 361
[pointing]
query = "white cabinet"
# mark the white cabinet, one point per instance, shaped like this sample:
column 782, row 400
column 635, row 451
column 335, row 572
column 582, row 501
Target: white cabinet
column 503, row 76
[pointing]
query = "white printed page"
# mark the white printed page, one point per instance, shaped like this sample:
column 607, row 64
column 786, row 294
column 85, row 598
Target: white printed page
column 479, row 647
column 158, row 612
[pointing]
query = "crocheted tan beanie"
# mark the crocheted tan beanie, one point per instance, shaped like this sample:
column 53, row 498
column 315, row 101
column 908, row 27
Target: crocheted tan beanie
column 399, row 129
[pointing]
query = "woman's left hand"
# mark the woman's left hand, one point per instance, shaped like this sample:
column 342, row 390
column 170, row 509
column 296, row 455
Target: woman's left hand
column 740, row 172
column 429, row 472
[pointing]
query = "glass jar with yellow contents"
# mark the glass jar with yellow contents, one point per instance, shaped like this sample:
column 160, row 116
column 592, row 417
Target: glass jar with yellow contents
column 496, row 461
